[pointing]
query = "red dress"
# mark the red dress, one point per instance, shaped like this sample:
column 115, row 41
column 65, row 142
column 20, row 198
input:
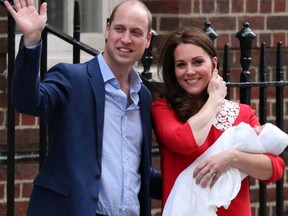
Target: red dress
column 178, row 148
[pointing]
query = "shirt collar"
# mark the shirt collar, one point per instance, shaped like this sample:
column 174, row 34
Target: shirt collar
column 107, row 74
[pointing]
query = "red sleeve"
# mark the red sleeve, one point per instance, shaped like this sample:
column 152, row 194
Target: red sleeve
column 278, row 168
column 176, row 135
column 247, row 115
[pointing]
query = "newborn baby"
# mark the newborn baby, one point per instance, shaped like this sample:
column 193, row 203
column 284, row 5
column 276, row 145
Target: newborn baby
column 188, row 198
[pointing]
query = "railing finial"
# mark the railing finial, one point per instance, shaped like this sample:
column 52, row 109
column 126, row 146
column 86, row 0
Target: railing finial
column 147, row 58
column 245, row 36
column 210, row 31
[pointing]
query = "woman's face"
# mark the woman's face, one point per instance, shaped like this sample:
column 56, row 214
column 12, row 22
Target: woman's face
column 193, row 68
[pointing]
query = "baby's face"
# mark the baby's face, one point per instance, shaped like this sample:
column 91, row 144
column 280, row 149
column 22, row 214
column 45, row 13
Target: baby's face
column 258, row 129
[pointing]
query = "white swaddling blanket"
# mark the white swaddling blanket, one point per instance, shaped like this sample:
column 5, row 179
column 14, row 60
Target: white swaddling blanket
column 188, row 198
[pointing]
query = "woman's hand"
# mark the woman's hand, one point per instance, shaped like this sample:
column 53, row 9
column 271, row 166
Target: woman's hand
column 217, row 87
column 210, row 170
column 29, row 21
column 258, row 166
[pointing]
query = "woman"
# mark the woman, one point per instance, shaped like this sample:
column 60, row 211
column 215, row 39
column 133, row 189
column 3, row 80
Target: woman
column 192, row 113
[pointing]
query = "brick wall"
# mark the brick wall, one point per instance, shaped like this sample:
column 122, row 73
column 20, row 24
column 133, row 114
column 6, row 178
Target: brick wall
column 267, row 18
column 3, row 73
column 3, row 67
column 24, row 175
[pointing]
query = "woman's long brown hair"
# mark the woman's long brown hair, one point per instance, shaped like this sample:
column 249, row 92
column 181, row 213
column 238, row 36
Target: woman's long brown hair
column 185, row 105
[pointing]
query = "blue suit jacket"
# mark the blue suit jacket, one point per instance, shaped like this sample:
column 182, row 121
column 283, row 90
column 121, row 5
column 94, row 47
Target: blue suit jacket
column 71, row 97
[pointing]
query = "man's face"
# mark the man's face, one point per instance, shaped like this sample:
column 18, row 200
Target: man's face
column 127, row 36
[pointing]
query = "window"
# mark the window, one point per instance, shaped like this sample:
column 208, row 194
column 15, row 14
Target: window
column 60, row 15
column 93, row 14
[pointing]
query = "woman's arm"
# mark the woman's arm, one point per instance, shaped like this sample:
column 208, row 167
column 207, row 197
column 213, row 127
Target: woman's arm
column 265, row 167
column 201, row 122
column 258, row 166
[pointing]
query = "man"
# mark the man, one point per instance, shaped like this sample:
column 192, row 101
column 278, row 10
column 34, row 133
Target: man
column 98, row 118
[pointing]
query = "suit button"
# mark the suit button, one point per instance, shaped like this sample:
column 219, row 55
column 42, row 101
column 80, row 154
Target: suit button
column 94, row 199
column 97, row 176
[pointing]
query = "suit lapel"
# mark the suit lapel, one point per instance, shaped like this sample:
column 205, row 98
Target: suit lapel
column 145, row 102
column 98, row 88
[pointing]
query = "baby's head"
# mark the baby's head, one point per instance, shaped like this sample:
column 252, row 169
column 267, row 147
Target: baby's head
column 272, row 138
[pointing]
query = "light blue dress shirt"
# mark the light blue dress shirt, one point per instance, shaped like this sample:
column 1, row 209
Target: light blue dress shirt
column 122, row 138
